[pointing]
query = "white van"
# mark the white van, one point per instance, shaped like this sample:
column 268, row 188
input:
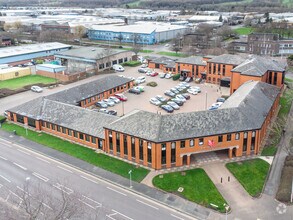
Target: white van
column 118, row 68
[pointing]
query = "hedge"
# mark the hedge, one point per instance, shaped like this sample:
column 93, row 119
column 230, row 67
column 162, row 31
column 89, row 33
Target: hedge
column 132, row 63
column 152, row 84
column 176, row 76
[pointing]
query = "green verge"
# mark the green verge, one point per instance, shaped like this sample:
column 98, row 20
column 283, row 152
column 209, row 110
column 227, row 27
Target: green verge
column 89, row 155
column 20, row 82
column 173, row 54
column 244, row 30
column 132, row 63
column 198, row 187
column 251, row 174
column 141, row 51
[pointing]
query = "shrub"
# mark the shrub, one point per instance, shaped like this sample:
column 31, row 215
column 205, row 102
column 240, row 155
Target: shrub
column 39, row 61
column 132, row 63
column 152, row 84
column 2, row 119
column 176, row 76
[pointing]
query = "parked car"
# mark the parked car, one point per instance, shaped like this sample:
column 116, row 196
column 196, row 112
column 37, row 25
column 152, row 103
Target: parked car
column 109, row 102
column 213, row 108
column 161, row 98
column 103, row 110
column 140, row 79
column 173, row 105
column 181, row 97
column 101, row 104
column 188, row 79
column 121, row 97
column 168, row 76
column 196, row 88
column 149, row 72
column 36, row 89
column 185, row 84
column 167, row 108
column 134, row 91
column 186, row 96
column 155, row 101
column 118, row 68
column 140, row 88
column 180, row 88
column 114, row 99
column 217, row 104
column 167, row 45
column 169, row 93
column 154, row 74
column 182, row 78
column 198, row 80
column 162, row 75
column 192, row 91
column 142, row 70
column 177, row 101
column 144, row 65
column 174, row 90
column 112, row 112
column 221, row 99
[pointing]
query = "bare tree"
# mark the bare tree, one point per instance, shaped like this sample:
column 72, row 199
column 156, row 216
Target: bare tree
column 120, row 39
column 79, row 32
column 51, row 36
column 136, row 45
column 104, row 58
column 225, row 32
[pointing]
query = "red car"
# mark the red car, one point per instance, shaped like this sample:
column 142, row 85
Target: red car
column 121, row 97
column 154, row 74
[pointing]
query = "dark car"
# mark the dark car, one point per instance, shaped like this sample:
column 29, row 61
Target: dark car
column 134, row 91
column 101, row 104
column 220, row 99
column 186, row 96
column 182, row 78
column 167, row 108
column 112, row 112
column 177, row 101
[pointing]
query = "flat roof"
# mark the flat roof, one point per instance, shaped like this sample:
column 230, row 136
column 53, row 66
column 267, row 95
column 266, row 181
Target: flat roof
column 11, row 69
column 31, row 48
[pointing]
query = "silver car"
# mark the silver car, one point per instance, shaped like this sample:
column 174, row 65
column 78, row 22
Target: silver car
column 173, row 105
column 109, row 102
column 155, row 101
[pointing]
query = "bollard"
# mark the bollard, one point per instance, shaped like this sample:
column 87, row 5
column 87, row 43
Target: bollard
column 228, row 178
column 221, row 179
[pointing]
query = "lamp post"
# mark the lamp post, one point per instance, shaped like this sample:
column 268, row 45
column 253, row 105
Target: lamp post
column 130, row 183
column 206, row 101
column 227, row 209
column 55, row 77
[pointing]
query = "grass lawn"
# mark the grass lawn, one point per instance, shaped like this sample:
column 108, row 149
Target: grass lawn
column 100, row 160
column 173, row 54
column 197, row 187
column 269, row 151
column 141, row 51
column 251, row 174
column 244, row 30
column 20, row 82
column 288, row 80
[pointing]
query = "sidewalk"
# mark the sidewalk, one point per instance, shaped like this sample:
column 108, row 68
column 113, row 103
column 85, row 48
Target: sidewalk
column 164, row 198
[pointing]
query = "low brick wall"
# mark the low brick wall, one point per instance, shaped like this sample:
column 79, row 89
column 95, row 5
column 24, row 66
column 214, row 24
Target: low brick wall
column 62, row 77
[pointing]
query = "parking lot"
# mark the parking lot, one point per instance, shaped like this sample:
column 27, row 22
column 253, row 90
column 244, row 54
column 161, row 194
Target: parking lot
column 209, row 94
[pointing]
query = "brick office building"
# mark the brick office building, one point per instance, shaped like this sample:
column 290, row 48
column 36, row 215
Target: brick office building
column 165, row 64
column 193, row 66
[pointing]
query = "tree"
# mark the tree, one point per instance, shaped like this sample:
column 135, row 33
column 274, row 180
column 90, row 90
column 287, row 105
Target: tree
column 120, row 39
column 225, row 32
column 79, row 32
column 136, row 46
column 17, row 25
column 7, row 27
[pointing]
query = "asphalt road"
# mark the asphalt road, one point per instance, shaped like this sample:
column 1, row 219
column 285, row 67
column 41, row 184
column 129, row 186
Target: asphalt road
column 99, row 198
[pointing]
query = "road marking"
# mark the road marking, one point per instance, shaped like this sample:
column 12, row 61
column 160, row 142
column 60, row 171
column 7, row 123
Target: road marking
column 5, row 178
column 16, row 164
column 43, row 160
column 6, row 145
column 65, row 169
column 45, row 179
column 147, row 204
column 177, row 217
column 3, row 158
column 115, row 213
column 93, row 206
column 116, row 191
column 23, row 152
column 5, row 140
column 89, row 179
column 63, row 188
column 47, row 206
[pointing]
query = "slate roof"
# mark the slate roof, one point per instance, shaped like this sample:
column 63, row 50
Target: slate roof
column 192, row 60
column 72, row 117
column 227, row 59
column 258, row 66
column 246, row 109
column 164, row 60
column 76, row 94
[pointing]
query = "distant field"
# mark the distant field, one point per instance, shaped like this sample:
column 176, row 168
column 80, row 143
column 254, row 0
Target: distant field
column 173, row 54
column 20, row 82
column 288, row 3
column 244, row 30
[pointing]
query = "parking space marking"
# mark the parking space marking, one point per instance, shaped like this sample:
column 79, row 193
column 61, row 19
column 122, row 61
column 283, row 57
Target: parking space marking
column 116, row 191
column 3, row 158
column 86, row 200
column 23, row 152
column 6, row 144
column 5, row 178
column 21, row 167
column 41, row 177
column 39, row 158
column 147, row 204
column 89, row 179
column 177, row 217
column 64, row 169
column 63, row 188
column 5, row 140
column 117, row 213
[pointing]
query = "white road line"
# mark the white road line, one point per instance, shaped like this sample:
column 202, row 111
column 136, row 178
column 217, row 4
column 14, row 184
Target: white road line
column 16, row 164
column 5, row 140
column 39, row 158
column 122, row 214
column 5, row 178
column 65, row 169
column 63, row 188
column 6, row 145
column 147, row 204
column 89, row 179
column 23, row 152
column 45, row 179
column 177, row 217
column 95, row 203
column 3, row 158
column 116, row 191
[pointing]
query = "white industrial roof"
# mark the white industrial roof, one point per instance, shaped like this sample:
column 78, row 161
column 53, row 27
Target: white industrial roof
column 31, row 48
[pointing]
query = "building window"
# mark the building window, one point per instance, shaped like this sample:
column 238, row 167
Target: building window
column 191, row 143
column 200, row 142
column 228, row 137
column 132, row 147
column 81, row 136
column 118, row 142
column 75, row 134
column 87, row 138
column 220, row 138
column 58, row 128
column 224, row 70
column 173, row 152
column 43, row 124
column 48, row 124
column 149, row 152
column 63, row 130
column 100, row 144
column 94, row 140
column 120, row 60
column 141, row 149
column 163, row 159
column 53, row 127
column 253, row 140
column 237, row 136
column 182, row 144
column 125, row 145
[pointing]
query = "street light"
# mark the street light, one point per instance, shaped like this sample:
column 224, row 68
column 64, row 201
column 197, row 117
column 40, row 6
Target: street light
column 227, row 209
column 130, row 183
column 206, row 100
